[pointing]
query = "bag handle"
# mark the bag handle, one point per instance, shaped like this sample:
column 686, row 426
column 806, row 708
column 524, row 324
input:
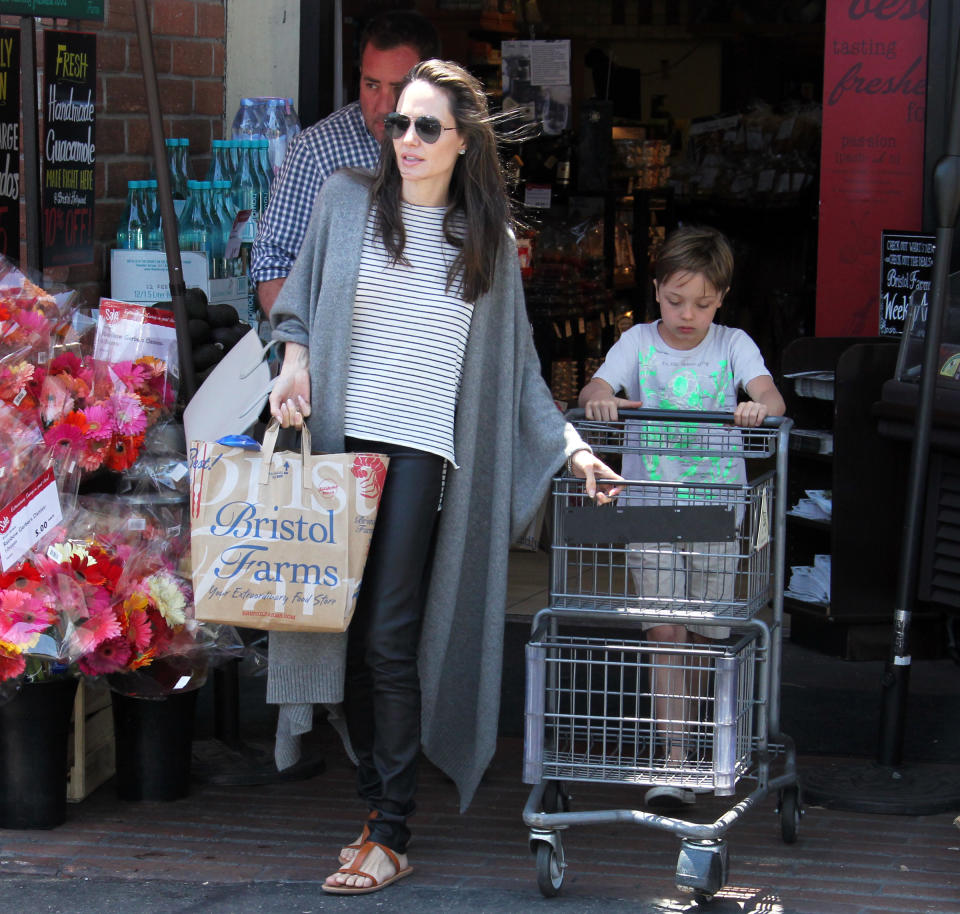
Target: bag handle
column 270, row 445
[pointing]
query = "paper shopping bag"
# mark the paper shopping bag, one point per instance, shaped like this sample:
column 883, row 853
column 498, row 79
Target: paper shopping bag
column 279, row 539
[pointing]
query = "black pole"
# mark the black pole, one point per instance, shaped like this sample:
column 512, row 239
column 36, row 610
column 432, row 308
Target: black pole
column 31, row 140
column 896, row 677
column 171, row 244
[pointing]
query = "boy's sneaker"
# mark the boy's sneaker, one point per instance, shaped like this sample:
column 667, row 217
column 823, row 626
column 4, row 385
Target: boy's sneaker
column 663, row 796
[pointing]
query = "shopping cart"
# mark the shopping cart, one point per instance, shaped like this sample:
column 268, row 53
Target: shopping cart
column 591, row 711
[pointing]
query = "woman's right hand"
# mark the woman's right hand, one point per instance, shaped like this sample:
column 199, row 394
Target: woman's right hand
column 290, row 397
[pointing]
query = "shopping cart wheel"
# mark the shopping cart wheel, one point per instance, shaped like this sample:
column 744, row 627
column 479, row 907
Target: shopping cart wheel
column 790, row 812
column 550, row 867
column 555, row 797
column 702, row 867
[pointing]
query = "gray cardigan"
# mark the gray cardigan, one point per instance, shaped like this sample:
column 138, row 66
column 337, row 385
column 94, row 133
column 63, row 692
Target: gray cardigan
column 510, row 439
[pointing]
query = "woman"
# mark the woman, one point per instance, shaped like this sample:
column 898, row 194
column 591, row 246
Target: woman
column 405, row 333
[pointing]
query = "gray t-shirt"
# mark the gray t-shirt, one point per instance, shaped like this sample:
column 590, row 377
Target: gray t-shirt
column 705, row 378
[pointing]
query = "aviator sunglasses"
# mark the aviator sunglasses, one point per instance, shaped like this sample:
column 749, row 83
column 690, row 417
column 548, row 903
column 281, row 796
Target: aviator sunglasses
column 428, row 128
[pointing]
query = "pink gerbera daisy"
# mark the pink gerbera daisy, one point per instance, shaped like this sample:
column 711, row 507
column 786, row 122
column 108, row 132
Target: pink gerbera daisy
column 132, row 374
column 101, row 626
column 139, row 632
column 68, row 433
column 33, row 322
column 67, row 363
column 22, row 617
column 110, row 657
column 129, row 418
column 99, row 422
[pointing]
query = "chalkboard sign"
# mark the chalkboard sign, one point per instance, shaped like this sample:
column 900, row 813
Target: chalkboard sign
column 907, row 267
column 69, row 150
column 10, row 143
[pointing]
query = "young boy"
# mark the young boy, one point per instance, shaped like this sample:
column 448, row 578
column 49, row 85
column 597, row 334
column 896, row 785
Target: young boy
column 684, row 361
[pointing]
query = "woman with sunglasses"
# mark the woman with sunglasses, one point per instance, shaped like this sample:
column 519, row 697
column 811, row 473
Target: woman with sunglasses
column 405, row 333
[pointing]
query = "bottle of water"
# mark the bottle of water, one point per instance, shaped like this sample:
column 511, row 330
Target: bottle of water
column 221, row 168
column 262, row 159
column 185, row 163
column 151, row 202
column 194, row 232
column 247, row 123
column 275, row 133
column 123, row 226
column 293, row 121
column 178, row 177
column 140, row 213
column 216, row 243
column 247, row 192
column 224, row 213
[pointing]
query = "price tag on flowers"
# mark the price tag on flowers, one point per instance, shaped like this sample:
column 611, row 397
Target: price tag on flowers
column 28, row 517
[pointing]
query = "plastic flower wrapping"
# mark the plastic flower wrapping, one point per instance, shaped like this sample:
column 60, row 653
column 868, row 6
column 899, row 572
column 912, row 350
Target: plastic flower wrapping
column 105, row 590
column 106, row 594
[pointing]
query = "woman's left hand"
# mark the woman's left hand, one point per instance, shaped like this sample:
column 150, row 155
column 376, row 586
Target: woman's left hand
column 591, row 468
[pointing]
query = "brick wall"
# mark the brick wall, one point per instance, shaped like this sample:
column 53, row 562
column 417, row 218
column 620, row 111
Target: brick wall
column 189, row 41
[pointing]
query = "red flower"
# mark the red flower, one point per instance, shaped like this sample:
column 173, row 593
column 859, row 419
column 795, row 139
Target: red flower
column 123, row 452
column 11, row 665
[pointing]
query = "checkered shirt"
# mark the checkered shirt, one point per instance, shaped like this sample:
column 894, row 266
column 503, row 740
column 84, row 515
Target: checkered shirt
column 340, row 140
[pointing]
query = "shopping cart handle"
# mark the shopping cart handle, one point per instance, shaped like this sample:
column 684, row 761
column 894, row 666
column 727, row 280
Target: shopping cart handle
column 676, row 415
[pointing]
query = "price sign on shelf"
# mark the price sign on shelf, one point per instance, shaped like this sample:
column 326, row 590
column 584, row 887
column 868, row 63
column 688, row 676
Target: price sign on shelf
column 28, row 517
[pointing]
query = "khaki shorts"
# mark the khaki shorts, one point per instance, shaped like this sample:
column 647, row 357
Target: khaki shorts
column 704, row 572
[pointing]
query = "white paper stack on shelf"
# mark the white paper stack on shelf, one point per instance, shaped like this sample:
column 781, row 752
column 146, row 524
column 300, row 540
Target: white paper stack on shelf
column 818, row 505
column 810, row 583
column 817, row 384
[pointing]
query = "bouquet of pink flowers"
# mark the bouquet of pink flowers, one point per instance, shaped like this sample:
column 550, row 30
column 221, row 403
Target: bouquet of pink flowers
column 97, row 413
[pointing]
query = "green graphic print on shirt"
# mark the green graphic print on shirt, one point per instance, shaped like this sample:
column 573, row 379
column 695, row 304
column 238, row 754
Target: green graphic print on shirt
column 667, row 387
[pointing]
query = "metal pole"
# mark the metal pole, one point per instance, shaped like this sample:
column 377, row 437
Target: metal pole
column 165, row 199
column 31, row 140
column 896, row 677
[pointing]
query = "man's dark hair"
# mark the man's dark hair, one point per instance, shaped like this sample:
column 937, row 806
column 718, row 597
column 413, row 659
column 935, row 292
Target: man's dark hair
column 396, row 28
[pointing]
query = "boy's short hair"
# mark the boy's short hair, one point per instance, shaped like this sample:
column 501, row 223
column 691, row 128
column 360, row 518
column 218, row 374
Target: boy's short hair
column 696, row 249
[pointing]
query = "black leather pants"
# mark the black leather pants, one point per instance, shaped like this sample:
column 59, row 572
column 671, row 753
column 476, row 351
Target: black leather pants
column 382, row 690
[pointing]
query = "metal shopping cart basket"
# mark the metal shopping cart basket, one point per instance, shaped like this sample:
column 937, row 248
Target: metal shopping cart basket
column 683, row 552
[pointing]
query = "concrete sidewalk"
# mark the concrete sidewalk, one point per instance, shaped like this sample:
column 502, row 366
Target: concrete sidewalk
column 268, row 848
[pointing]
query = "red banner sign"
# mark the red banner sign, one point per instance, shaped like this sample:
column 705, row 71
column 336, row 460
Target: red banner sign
column 871, row 160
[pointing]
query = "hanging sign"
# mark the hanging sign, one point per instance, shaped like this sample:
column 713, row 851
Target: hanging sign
column 871, row 154
column 10, row 143
column 906, row 270
column 70, row 74
column 60, row 9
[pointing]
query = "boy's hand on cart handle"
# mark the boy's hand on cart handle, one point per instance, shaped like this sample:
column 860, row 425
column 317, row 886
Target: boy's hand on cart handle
column 607, row 409
column 591, row 468
column 599, row 403
column 750, row 414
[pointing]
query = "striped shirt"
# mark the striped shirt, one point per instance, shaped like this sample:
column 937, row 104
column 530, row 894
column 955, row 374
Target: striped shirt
column 338, row 141
column 409, row 338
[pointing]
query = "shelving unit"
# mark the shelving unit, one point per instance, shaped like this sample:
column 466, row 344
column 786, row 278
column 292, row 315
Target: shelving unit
column 864, row 474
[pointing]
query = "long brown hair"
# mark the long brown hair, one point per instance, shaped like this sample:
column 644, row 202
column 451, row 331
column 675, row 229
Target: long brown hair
column 477, row 192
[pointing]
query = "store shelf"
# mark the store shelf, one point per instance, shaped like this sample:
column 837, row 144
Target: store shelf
column 864, row 476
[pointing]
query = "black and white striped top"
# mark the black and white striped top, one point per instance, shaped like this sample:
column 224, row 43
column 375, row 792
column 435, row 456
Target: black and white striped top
column 408, row 341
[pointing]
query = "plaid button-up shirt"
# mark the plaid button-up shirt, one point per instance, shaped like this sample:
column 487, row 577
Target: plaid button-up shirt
column 340, row 140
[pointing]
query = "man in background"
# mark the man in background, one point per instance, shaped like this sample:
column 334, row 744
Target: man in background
column 390, row 45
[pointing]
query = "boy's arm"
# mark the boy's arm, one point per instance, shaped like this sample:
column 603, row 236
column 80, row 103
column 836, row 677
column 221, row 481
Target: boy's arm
column 765, row 400
column 599, row 402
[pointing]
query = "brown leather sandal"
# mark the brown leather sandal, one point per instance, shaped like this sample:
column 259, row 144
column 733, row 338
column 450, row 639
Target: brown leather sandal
column 355, row 870
column 364, row 835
